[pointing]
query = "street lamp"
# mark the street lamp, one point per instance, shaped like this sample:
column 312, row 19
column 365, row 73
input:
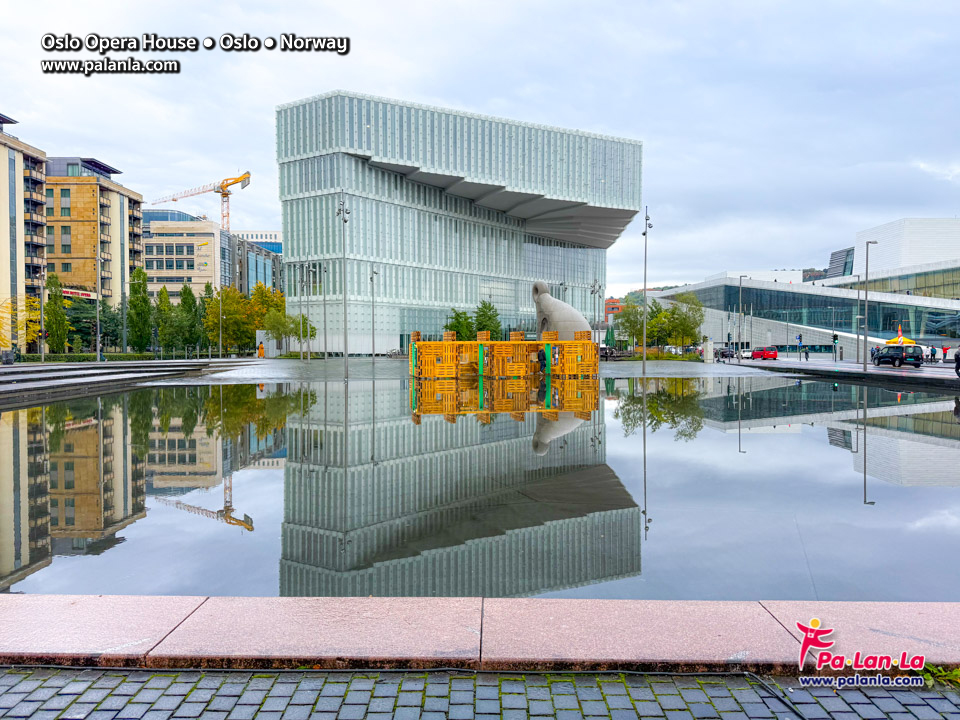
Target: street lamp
column 866, row 312
column 857, row 328
column 343, row 212
column 740, row 325
column 373, row 316
column 646, row 226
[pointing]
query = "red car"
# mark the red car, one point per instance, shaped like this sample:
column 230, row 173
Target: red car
column 764, row 353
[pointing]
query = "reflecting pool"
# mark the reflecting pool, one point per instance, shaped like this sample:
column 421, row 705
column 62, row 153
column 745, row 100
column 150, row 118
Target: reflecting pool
column 757, row 487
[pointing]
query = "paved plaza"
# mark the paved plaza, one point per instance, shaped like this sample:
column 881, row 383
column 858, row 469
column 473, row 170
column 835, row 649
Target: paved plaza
column 97, row 694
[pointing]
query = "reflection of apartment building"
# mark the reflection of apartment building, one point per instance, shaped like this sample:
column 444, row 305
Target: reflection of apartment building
column 377, row 505
column 24, row 518
column 22, row 221
column 93, row 226
column 97, row 487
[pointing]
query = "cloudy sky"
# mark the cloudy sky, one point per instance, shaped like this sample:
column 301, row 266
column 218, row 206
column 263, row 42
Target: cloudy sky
column 773, row 131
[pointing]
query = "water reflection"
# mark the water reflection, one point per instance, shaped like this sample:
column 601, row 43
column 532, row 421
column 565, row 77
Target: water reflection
column 460, row 487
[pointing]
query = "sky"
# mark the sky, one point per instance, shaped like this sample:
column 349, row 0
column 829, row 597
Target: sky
column 773, row 131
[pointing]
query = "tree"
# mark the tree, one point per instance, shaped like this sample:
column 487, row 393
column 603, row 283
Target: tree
column 277, row 325
column 629, row 322
column 55, row 315
column 82, row 318
column 461, row 323
column 238, row 331
column 27, row 322
column 187, row 317
column 139, row 317
column 309, row 331
column 111, row 325
column 686, row 317
column 263, row 301
column 487, row 318
column 163, row 315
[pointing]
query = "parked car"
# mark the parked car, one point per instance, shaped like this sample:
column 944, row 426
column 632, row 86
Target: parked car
column 724, row 352
column 898, row 355
column 764, row 353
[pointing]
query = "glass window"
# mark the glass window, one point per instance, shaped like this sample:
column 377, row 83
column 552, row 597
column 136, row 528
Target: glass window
column 66, row 267
column 64, row 194
column 49, row 210
column 169, row 249
column 50, row 193
column 179, row 264
column 148, row 264
column 148, row 249
column 50, row 240
column 169, row 265
column 73, row 170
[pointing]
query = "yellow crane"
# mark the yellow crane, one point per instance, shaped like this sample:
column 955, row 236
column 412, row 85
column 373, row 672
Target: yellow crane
column 224, row 516
column 218, row 187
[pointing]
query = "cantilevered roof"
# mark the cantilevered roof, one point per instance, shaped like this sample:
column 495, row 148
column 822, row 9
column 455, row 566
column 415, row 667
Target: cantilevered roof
column 101, row 167
column 575, row 186
column 7, row 120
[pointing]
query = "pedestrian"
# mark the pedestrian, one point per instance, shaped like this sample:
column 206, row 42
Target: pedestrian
column 933, row 354
column 806, row 354
column 542, row 359
column 956, row 361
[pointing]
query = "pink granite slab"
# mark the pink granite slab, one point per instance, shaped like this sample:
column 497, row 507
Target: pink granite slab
column 931, row 629
column 633, row 634
column 326, row 632
column 109, row 630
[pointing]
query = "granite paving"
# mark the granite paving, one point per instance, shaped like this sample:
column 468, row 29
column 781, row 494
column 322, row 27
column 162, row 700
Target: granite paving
column 41, row 693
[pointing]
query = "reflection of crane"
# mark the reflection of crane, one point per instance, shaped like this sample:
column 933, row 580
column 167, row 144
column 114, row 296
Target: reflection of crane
column 217, row 187
column 225, row 515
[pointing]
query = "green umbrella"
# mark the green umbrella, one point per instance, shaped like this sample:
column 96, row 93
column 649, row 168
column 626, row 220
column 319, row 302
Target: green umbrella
column 609, row 340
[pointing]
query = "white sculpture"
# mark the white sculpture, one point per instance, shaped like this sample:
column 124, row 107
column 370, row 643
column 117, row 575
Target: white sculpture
column 549, row 430
column 553, row 314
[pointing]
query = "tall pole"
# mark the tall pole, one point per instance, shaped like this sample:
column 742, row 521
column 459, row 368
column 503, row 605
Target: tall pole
column 740, row 325
column 323, row 290
column 299, row 267
column 220, row 318
column 43, row 292
column 344, row 214
column 373, row 315
column 866, row 314
column 856, row 319
column 99, row 295
column 646, row 226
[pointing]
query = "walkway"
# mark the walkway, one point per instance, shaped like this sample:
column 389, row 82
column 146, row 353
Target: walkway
column 88, row 694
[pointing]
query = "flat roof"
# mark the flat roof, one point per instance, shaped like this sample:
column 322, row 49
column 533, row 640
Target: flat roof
column 96, row 165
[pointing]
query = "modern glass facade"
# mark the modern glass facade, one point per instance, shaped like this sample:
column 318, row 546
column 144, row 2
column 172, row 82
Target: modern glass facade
column 940, row 283
column 832, row 309
column 448, row 209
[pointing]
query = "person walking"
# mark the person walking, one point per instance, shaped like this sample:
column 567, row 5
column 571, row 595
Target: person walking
column 806, row 354
column 956, row 361
column 933, row 354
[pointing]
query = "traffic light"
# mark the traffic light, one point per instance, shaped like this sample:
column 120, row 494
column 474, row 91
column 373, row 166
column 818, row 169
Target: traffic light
column 836, row 387
column 800, row 338
column 836, row 338
column 729, row 337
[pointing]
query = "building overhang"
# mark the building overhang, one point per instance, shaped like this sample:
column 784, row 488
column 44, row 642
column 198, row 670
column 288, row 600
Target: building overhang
column 566, row 220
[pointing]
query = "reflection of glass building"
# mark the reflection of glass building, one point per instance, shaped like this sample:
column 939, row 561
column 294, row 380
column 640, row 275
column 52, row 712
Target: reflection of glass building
column 449, row 208
column 375, row 504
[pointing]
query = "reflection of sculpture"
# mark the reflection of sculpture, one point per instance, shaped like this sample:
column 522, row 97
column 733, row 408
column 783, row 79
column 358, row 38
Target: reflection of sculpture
column 549, row 430
column 556, row 315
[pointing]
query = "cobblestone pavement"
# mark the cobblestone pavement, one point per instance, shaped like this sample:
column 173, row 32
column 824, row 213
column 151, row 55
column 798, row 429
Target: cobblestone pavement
column 78, row 694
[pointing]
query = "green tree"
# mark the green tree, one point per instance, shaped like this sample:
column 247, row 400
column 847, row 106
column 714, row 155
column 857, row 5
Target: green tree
column 686, row 318
column 164, row 319
column 460, row 322
column 309, row 331
column 111, row 325
column 187, row 317
column 55, row 315
column 238, row 331
column 487, row 318
column 139, row 316
column 262, row 301
column 629, row 323
column 82, row 318
column 277, row 324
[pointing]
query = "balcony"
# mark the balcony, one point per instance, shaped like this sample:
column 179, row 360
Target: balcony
column 106, row 255
column 33, row 282
column 136, row 212
column 135, row 230
column 35, row 174
column 104, row 219
column 106, row 273
column 35, row 218
column 104, row 237
column 34, row 197
column 37, row 261
column 104, row 201
column 33, row 239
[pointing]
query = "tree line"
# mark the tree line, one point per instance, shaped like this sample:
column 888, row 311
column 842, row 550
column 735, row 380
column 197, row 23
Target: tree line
column 193, row 323
column 466, row 326
column 678, row 324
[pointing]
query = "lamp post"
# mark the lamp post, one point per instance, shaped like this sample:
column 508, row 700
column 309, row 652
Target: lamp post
column 43, row 291
column 858, row 315
column 866, row 326
column 740, row 325
column 343, row 212
column 373, row 316
column 300, row 299
column 323, row 290
column 646, row 226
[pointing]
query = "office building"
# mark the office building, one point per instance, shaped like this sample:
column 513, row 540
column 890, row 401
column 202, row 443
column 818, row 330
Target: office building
column 912, row 256
column 272, row 240
column 445, row 209
column 183, row 249
column 22, row 221
column 93, row 227
column 256, row 263
column 611, row 308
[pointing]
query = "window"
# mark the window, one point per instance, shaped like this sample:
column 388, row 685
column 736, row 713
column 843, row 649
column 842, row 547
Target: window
column 169, row 249
column 66, row 238
column 64, row 211
column 64, row 194
column 50, row 240
column 189, row 249
column 189, row 264
column 180, row 249
column 169, row 265
column 66, row 267
column 73, row 170
column 179, row 264
column 49, row 193
column 148, row 265
column 148, row 249
column 49, row 210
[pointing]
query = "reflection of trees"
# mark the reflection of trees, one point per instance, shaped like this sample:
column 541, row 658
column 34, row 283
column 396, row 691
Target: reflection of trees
column 202, row 404
column 674, row 402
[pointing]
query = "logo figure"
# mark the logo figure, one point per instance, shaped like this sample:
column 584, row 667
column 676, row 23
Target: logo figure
column 813, row 637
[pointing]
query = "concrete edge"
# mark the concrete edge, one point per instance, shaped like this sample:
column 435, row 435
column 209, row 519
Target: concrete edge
column 21, row 644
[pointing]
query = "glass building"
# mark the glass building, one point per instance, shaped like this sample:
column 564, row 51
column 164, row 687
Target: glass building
column 444, row 209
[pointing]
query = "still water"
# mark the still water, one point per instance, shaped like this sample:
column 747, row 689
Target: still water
column 695, row 488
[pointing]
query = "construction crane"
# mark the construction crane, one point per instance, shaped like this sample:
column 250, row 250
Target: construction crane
column 217, row 187
column 224, row 516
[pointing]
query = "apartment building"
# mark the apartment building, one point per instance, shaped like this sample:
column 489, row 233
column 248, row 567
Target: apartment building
column 22, row 201
column 184, row 249
column 93, row 227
